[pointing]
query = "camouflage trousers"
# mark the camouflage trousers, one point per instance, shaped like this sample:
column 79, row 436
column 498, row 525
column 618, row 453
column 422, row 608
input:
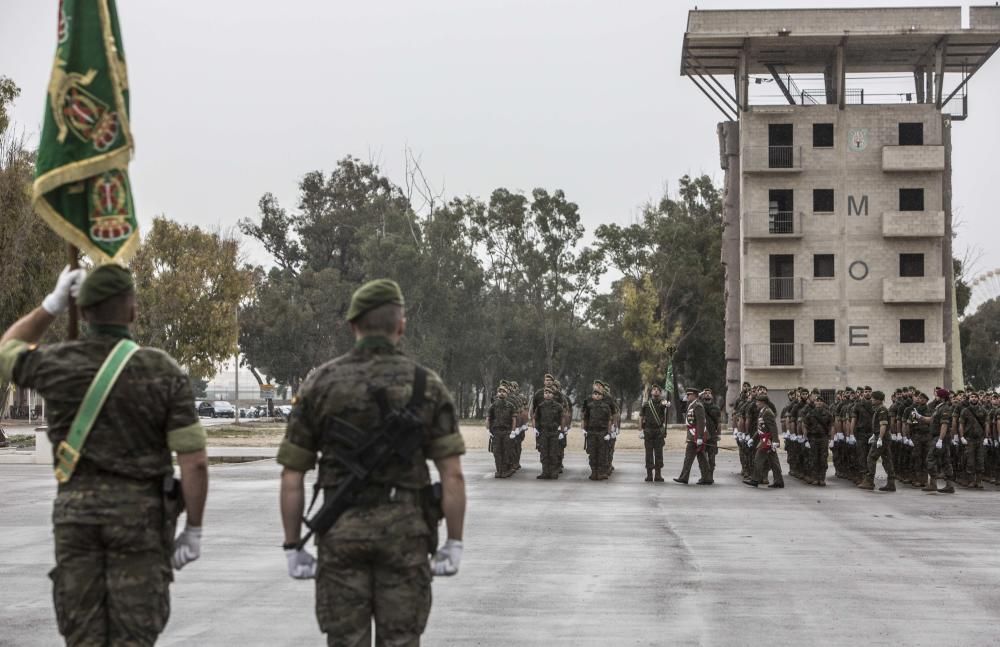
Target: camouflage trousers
column 818, row 456
column 599, row 452
column 654, row 440
column 975, row 456
column 885, row 453
column 388, row 579
column 922, row 445
column 111, row 583
column 939, row 460
column 503, row 449
column 548, row 446
column 764, row 462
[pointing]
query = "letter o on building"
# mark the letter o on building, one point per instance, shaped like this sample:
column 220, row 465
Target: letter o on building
column 858, row 270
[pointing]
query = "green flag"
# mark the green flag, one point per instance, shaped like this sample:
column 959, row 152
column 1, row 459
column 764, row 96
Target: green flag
column 81, row 187
column 668, row 384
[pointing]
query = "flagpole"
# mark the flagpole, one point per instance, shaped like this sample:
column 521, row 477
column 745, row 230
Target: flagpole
column 73, row 331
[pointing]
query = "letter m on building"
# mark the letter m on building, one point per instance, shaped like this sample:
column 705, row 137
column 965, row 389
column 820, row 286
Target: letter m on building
column 857, row 208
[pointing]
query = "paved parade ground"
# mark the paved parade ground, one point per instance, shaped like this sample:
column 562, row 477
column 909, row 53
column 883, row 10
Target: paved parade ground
column 620, row 562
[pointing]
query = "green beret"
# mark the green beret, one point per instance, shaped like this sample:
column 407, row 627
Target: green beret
column 372, row 295
column 104, row 282
column 761, row 397
column 878, row 395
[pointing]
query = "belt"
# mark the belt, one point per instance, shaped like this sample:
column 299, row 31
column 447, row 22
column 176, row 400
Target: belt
column 379, row 494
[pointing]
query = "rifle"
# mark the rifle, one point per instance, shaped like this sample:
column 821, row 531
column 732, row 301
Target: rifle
column 397, row 438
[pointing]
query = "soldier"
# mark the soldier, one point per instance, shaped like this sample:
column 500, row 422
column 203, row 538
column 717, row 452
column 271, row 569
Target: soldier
column 768, row 443
column 548, row 420
column 117, row 500
column 616, row 417
column 861, row 425
column 939, row 464
column 598, row 418
column 839, row 439
column 520, row 403
column 713, row 419
column 819, row 434
column 919, row 433
column 740, row 430
column 697, row 441
column 500, row 421
column 567, row 420
column 803, row 466
column 653, row 423
column 971, row 431
column 993, row 441
column 373, row 563
column 880, row 446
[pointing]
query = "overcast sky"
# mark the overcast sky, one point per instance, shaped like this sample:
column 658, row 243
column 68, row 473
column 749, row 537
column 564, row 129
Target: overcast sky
column 234, row 99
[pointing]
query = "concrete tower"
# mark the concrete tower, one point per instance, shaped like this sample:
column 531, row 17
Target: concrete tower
column 838, row 196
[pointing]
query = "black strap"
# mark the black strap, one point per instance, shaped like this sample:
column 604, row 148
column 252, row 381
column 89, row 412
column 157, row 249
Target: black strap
column 419, row 386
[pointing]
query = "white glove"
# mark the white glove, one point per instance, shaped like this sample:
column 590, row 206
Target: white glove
column 187, row 547
column 691, row 431
column 840, row 436
column 700, row 442
column 301, row 565
column 954, row 441
column 878, row 444
column 67, row 285
column 939, row 444
column 852, row 441
column 909, row 442
column 831, row 444
column 513, row 434
column 871, row 440
column 642, row 435
column 562, row 436
column 964, row 441
column 802, row 439
column 808, row 446
column 445, row 562
column 536, row 432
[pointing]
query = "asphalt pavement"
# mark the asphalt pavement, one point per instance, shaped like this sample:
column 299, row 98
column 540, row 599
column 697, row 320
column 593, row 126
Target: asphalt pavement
column 619, row 562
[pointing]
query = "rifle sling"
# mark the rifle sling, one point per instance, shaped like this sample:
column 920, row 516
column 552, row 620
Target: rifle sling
column 68, row 451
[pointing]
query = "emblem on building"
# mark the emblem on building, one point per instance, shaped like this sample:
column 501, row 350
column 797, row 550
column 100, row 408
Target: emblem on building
column 857, row 139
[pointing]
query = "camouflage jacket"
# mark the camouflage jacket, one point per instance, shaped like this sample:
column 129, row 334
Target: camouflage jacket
column 548, row 415
column 149, row 413
column 343, row 388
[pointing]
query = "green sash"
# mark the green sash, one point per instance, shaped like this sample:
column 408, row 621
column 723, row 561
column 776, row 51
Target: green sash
column 68, row 452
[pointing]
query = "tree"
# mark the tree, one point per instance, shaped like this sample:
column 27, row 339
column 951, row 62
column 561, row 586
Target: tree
column 980, row 342
column 677, row 245
column 189, row 284
column 8, row 92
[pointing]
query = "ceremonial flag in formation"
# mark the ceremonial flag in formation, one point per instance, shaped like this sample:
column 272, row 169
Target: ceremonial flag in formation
column 81, row 187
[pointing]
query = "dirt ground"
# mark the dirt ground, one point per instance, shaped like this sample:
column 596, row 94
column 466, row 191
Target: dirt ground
column 474, row 432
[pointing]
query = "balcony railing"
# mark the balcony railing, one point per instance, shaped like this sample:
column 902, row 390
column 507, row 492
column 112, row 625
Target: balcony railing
column 772, row 224
column 758, row 159
column 773, row 290
column 781, row 356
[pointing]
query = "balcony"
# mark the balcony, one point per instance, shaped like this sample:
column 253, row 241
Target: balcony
column 772, row 159
column 772, row 356
column 913, row 356
column 919, row 289
column 913, row 224
column 909, row 159
column 772, row 225
column 772, row 290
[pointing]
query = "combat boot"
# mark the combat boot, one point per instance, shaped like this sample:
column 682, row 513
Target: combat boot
column 659, row 477
column 930, row 486
column 593, row 475
column 977, row 483
column 649, row 476
column 890, row 486
column 918, row 481
column 867, row 483
column 821, row 482
column 949, row 487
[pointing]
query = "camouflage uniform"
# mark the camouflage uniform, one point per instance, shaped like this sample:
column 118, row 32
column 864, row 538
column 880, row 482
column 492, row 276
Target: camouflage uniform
column 880, row 417
column 818, row 421
column 501, row 419
column 973, row 420
column 653, row 419
column 713, row 420
column 766, row 457
column 920, row 434
column 374, row 561
column 113, row 534
column 939, row 460
column 548, row 418
column 597, row 418
column 862, row 414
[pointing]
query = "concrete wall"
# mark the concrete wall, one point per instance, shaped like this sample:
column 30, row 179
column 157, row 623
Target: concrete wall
column 865, row 259
column 762, row 22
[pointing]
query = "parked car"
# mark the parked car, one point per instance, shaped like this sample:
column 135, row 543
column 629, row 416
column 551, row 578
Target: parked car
column 205, row 409
column 223, row 409
column 283, row 411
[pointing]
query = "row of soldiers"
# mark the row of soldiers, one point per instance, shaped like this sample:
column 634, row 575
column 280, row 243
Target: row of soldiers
column 917, row 440
column 549, row 412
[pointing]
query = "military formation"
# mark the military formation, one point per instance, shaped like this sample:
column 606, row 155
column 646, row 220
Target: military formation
column 954, row 438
